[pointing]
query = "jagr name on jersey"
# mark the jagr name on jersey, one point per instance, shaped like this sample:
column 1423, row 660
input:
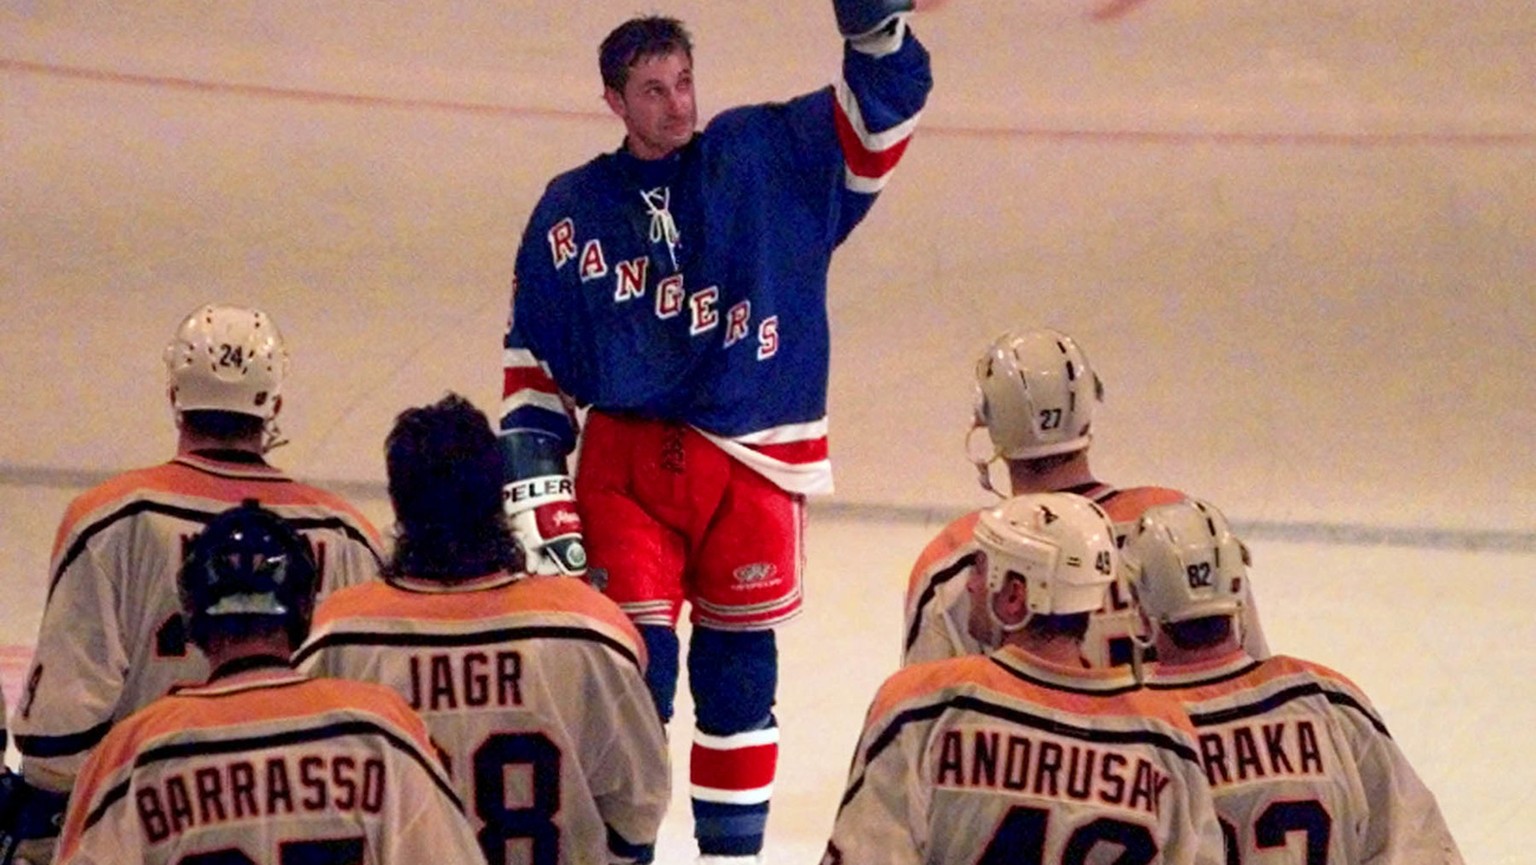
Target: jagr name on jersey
column 441, row 681
column 1007, row 761
column 630, row 283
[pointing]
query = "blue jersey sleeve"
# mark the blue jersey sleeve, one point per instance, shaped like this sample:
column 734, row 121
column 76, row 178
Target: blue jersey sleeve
column 531, row 400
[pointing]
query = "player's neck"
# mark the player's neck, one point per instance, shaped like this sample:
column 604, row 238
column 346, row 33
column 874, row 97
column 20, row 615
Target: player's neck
column 1047, row 476
column 1170, row 654
column 229, row 657
column 638, row 149
column 1061, row 651
column 188, row 442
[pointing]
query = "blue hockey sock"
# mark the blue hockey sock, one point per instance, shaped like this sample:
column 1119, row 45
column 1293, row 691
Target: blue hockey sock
column 661, row 674
column 733, row 676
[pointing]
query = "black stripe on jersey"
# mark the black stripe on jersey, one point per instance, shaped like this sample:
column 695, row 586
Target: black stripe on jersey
column 1057, row 686
column 197, row 516
column 472, row 638
column 1022, row 719
column 943, row 576
column 1106, row 492
column 62, row 746
column 340, row 729
column 1280, row 698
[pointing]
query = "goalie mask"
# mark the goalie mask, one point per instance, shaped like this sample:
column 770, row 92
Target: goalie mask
column 1186, row 563
column 1035, row 393
column 248, row 561
column 227, row 358
column 1060, row 544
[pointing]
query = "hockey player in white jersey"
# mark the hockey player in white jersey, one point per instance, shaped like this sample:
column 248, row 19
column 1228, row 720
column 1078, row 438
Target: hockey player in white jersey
column 1025, row 755
column 260, row 765
column 111, row 637
column 1302, row 766
column 1035, row 397
column 533, row 686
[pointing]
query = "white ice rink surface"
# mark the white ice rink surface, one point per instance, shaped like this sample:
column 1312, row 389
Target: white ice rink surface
column 1298, row 240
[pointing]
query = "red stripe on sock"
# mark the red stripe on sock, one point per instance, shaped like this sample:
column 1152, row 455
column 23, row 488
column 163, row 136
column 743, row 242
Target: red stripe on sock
column 749, row 768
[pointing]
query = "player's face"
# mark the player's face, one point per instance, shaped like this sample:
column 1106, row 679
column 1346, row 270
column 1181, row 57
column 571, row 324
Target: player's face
column 657, row 104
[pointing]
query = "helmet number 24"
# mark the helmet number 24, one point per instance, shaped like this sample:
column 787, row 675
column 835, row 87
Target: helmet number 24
column 231, row 355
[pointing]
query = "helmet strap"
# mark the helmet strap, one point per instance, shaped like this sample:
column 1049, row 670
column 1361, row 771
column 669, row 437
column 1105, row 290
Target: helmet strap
column 271, row 436
column 983, row 466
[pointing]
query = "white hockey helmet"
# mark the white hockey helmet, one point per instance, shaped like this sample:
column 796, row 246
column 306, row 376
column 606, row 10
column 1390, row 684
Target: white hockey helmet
column 1185, row 562
column 1035, row 393
column 1061, row 544
column 227, row 358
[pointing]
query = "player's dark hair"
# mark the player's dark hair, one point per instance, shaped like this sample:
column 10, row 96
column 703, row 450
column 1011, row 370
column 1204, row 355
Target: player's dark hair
column 221, row 425
column 1069, row 625
column 637, row 39
column 1201, row 633
column 444, row 470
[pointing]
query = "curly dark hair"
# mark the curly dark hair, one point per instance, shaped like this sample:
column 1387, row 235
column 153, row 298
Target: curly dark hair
column 444, row 470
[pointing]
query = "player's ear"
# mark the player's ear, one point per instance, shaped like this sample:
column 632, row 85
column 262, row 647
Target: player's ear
column 1013, row 600
column 615, row 101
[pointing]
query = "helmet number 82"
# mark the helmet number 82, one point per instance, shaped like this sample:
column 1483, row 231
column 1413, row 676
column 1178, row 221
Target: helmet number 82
column 1199, row 575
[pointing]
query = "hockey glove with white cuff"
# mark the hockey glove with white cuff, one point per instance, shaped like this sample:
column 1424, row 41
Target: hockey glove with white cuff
column 540, row 502
column 874, row 27
column 545, row 522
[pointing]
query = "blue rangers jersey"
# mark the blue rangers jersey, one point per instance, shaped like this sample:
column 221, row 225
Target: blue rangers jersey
column 693, row 288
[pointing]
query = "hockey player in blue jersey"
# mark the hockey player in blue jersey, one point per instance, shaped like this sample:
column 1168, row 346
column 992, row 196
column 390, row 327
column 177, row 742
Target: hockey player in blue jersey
column 675, row 289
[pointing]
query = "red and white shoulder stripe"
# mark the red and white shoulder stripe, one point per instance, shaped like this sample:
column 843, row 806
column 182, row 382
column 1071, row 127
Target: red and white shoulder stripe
column 871, row 156
column 526, row 383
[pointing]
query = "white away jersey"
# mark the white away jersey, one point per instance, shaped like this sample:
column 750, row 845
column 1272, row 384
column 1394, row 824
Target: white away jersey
column 1302, row 768
column 267, row 768
column 112, row 638
column 534, row 690
column 1007, row 759
column 937, row 605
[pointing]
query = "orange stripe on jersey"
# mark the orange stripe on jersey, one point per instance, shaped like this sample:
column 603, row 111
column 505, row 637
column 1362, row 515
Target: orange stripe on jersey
column 1129, row 504
column 524, row 595
column 921, row 680
column 292, row 700
column 950, row 539
column 1270, row 669
column 1107, row 692
column 223, row 484
column 289, row 706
